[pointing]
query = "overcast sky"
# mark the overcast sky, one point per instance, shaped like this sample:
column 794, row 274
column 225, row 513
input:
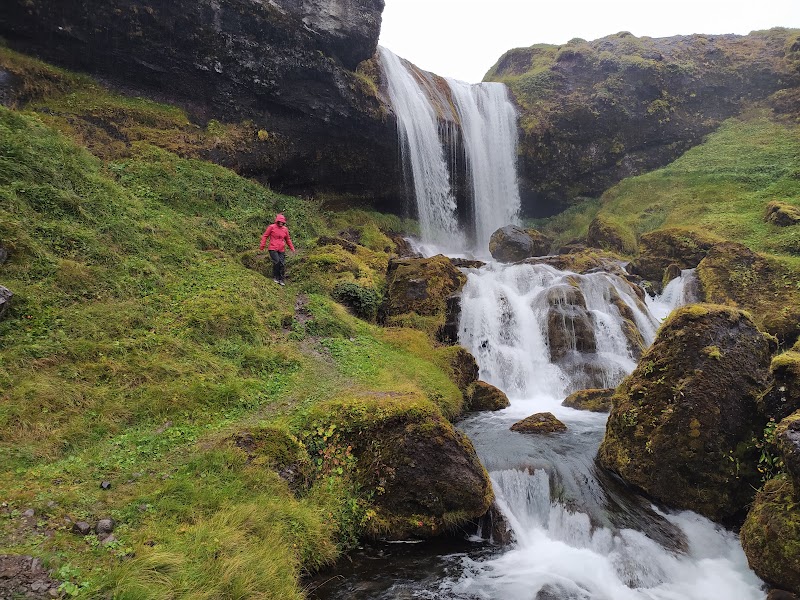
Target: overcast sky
column 464, row 38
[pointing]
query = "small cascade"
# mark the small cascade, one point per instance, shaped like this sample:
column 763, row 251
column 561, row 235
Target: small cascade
column 422, row 152
column 489, row 125
column 680, row 291
column 446, row 128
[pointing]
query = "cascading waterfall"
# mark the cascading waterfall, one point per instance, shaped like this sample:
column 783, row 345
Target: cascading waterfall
column 489, row 126
column 487, row 123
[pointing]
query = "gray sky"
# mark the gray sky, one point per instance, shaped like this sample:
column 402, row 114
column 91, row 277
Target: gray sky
column 464, row 38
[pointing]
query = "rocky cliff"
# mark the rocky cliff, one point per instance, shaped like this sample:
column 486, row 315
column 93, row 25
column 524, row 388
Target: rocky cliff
column 289, row 66
column 593, row 113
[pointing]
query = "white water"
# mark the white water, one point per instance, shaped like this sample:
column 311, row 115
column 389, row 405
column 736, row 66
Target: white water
column 422, row 153
column 678, row 292
column 577, row 540
column 489, row 126
column 487, row 121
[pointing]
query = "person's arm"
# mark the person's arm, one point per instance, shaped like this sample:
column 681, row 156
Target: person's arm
column 264, row 238
column 289, row 240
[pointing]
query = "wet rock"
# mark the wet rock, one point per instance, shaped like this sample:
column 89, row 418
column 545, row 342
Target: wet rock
column 734, row 275
column 5, row 300
column 421, row 286
column 681, row 425
column 771, row 536
column 569, row 325
column 782, row 397
column 466, row 263
column 513, row 243
column 593, row 400
column 670, row 248
column 81, row 528
column 494, row 527
column 463, row 367
column 583, row 260
column 782, row 214
column 781, row 595
column 484, row 396
column 608, row 235
column 403, row 248
column 539, row 423
column 448, row 333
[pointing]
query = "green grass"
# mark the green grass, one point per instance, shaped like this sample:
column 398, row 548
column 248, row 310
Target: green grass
column 138, row 346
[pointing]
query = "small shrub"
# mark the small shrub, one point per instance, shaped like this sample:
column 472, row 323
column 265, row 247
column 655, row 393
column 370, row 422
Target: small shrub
column 361, row 300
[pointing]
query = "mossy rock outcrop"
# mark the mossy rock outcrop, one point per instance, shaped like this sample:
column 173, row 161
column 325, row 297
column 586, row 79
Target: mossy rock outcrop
column 681, row 426
column 608, row 235
column 539, row 423
column 593, row 400
column 782, row 214
column 276, row 448
column 783, row 396
column 583, row 260
column 660, row 249
column 423, row 476
column 513, row 243
column 734, row 275
column 462, row 366
column 787, row 436
column 771, row 535
column 485, row 396
column 421, row 286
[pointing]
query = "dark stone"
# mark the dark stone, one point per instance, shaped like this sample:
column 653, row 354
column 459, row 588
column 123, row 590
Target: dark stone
column 681, row 426
column 104, row 526
column 539, row 423
column 569, row 325
column 466, row 263
column 593, row 400
column 448, row 333
column 513, row 243
column 782, row 397
column 485, row 396
column 105, row 485
column 403, row 248
column 494, row 527
column 5, row 300
column 81, row 528
column 781, row 595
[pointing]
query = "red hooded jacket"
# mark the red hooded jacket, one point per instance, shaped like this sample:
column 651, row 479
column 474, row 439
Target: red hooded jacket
column 278, row 236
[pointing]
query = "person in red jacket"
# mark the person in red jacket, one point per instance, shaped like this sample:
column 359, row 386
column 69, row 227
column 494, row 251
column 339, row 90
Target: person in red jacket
column 278, row 235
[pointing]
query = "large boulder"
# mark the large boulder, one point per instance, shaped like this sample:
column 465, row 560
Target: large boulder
column 771, row 535
column 681, row 426
column 484, row 396
column 421, row 286
column 782, row 214
column 286, row 67
column 734, row 275
column 422, row 474
column 513, row 243
column 660, row 249
column 583, row 260
column 539, row 423
column 569, row 325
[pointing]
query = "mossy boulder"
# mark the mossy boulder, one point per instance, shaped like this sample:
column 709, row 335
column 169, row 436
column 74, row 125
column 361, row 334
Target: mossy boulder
column 593, row 400
column 462, row 366
column 484, row 396
column 583, row 260
column 661, row 249
column 422, row 475
column 771, row 535
column 782, row 214
column 607, row 234
column 513, row 243
column 682, row 424
column 421, row 286
column 783, row 395
column 734, row 275
column 539, row 423
column 275, row 448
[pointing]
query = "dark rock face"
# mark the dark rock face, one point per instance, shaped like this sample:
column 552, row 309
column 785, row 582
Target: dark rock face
column 448, row 333
column 5, row 300
column 539, row 423
column 512, row 243
column 689, row 408
column 787, row 435
column 733, row 274
column 593, row 113
column 593, row 400
column 569, row 325
column 463, row 367
column 771, row 536
column 485, row 396
column 783, row 396
column 285, row 64
column 660, row 249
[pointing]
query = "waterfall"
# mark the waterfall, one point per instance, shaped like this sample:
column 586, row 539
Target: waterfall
column 489, row 125
column 681, row 290
column 430, row 124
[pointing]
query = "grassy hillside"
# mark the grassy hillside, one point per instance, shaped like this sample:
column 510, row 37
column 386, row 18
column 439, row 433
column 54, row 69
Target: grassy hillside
column 139, row 346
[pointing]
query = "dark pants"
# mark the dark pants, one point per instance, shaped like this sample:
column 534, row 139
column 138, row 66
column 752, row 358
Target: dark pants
column 278, row 264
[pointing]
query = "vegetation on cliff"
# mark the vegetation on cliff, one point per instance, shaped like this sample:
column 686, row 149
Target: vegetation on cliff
column 145, row 351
